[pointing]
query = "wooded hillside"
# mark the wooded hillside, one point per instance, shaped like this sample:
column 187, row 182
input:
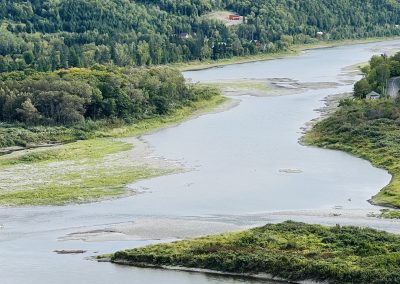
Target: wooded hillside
column 52, row 34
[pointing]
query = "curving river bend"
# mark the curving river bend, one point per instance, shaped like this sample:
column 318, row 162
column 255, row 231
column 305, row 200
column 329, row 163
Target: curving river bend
column 236, row 157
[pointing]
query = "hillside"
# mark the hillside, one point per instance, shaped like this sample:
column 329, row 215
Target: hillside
column 53, row 34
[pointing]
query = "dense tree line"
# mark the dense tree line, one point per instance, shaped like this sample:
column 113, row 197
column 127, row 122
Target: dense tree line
column 71, row 96
column 376, row 75
column 51, row 34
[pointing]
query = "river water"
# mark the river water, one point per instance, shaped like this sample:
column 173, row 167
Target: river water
column 236, row 157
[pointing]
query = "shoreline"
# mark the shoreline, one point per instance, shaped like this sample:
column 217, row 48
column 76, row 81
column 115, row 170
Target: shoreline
column 259, row 276
column 245, row 253
column 293, row 51
column 178, row 228
column 92, row 170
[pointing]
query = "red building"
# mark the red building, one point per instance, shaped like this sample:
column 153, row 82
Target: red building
column 234, row 17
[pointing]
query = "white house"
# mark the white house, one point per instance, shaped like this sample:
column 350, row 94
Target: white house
column 373, row 96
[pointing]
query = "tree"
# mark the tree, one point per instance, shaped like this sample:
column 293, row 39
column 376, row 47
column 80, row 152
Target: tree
column 383, row 75
column 205, row 52
column 362, row 88
column 29, row 57
column 3, row 64
column 29, row 112
column 143, row 53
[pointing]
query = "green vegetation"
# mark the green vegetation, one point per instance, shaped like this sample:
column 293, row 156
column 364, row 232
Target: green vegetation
column 54, row 34
column 96, row 104
column 78, row 188
column 370, row 130
column 87, row 149
column 72, row 104
column 290, row 250
column 293, row 50
column 377, row 74
column 71, row 96
column 86, row 170
column 387, row 214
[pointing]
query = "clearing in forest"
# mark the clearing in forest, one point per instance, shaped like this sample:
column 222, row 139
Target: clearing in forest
column 224, row 17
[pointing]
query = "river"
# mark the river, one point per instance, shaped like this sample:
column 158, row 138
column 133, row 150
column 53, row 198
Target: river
column 237, row 159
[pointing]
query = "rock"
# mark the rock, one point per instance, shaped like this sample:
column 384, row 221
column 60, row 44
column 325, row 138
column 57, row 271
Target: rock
column 290, row 171
column 73, row 251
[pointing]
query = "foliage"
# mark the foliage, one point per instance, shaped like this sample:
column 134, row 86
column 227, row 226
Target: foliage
column 387, row 214
column 81, row 171
column 72, row 96
column 376, row 75
column 27, row 135
column 53, row 34
column 370, row 130
column 294, row 251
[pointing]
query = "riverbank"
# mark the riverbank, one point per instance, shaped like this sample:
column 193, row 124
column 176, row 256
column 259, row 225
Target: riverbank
column 289, row 250
column 93, row 169
column 369, row 130
column 293, row 51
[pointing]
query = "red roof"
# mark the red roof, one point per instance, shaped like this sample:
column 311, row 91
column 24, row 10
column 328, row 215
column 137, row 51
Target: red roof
column 234, row 17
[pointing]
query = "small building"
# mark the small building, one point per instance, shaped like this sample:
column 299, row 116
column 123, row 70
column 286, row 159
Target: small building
column 185, row 35
column 234, row 17
column 373, row 96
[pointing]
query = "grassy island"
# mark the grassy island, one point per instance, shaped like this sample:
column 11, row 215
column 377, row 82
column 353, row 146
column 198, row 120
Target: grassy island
column 290, row 250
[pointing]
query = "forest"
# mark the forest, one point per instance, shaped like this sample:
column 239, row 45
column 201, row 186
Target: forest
column 68, row 97
column 376, row 75
column 52, row 34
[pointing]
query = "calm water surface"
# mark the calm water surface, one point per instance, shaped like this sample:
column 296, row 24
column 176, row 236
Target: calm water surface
column 236, row 158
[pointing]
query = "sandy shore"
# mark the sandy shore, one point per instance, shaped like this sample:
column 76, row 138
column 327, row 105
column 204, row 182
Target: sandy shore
column 167, row 228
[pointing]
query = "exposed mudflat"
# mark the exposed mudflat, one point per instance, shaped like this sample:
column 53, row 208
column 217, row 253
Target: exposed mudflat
column 158, row 228
column 269, row 87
